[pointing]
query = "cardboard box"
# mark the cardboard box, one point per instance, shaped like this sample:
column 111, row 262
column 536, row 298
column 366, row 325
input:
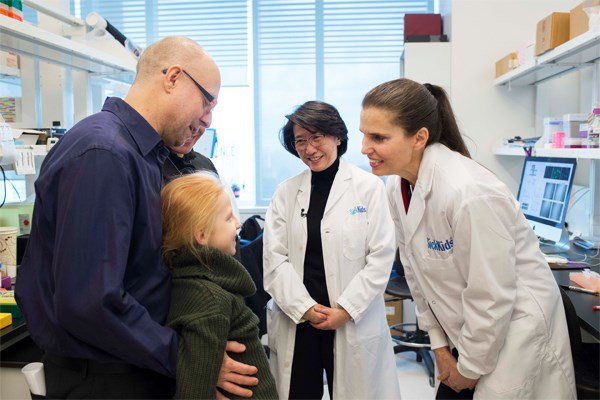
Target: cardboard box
column 5, row 320
column 507, row 63
column 393, row 311
column 551, row 32
column 578, row 22
column 422, row 24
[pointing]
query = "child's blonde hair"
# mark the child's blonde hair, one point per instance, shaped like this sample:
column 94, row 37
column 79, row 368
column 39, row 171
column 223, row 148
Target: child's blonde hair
column 188, row 205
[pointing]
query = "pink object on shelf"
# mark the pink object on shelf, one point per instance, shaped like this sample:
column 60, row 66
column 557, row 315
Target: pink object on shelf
column 558, row 140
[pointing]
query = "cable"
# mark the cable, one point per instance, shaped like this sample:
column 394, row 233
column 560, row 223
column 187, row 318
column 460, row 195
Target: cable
column 4, row 180
column 15, row 189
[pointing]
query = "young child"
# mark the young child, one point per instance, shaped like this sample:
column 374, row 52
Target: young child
column 209, row 285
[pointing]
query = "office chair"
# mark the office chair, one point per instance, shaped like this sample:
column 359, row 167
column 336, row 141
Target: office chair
column 585, row 355
column 409, row 340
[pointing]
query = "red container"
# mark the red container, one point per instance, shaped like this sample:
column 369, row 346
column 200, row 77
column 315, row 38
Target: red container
column 422, row 24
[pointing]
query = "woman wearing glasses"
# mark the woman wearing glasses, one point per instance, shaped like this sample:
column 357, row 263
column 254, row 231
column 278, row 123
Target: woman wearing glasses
column 328, row 251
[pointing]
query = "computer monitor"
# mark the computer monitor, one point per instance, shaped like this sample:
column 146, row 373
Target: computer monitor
column 544, row 194
column 207, row 142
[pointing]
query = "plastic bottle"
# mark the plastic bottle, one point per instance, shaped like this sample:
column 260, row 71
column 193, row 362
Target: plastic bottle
column 593, row 140
column 57, row 129
column 558, row 140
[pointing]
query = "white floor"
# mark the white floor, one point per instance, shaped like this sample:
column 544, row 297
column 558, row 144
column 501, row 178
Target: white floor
column 412, row 377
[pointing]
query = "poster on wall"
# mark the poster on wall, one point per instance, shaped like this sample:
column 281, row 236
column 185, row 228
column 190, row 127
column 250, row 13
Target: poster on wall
column 10, row 109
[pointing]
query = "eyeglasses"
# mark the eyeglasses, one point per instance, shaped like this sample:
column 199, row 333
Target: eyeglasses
column 209, row 97
column 314, row 140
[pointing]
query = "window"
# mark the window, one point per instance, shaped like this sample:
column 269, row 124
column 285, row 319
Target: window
column 275, row 55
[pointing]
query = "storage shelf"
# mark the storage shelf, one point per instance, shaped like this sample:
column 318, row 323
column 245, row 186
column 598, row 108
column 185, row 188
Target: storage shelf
column 26, row 39
column 509, row 151
column 592, row 154
column 579, row 52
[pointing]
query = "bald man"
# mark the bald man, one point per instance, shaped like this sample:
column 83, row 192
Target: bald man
column 91, row 284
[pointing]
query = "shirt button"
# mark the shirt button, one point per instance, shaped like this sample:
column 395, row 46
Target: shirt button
column 433, row 302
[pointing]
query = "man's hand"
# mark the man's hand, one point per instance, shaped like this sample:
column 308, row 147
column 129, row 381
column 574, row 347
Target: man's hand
column 234, row 373
column 314, row 316
column 336, row 317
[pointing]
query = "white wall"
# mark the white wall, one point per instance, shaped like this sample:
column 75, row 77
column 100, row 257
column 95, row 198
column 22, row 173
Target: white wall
column 484, row 31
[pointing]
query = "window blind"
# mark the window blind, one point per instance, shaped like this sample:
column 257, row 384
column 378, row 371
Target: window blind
column 336, row 31
column 220, row 26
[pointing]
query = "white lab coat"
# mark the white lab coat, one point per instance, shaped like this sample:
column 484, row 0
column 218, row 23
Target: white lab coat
column 473, row 262
column 357, row 234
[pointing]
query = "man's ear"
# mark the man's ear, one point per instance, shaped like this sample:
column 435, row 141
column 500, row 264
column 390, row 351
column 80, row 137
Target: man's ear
column 171, row 75
column 201, row 238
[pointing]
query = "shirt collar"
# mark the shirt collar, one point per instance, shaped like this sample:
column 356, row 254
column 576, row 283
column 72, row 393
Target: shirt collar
column 144, row 135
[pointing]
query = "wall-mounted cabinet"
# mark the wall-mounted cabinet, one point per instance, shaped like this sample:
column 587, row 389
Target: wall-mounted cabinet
column 59, row 78
column 26, row 39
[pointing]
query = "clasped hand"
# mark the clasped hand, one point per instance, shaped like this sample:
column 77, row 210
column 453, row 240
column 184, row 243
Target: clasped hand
column 326, row 318
column 449, row 374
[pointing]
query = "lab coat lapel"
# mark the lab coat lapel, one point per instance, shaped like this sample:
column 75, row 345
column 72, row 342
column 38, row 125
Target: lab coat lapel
column 339, row 186
column 303, row 199
column 416, row 210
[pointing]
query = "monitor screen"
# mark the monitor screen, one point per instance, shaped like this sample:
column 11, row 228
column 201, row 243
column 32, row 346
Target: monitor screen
column 544, row 194
column 206, row 144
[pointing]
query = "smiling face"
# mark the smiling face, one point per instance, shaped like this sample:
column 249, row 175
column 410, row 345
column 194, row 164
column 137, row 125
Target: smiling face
column 224, row 232
column 192, row 112
column 320, row 157
column 188, row 145
column 389, row 149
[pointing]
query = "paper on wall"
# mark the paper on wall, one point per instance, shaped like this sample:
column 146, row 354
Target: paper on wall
column 7, row 144
column 25, row 161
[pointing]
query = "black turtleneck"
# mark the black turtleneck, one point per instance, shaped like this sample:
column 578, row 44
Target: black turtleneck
column 314, row 269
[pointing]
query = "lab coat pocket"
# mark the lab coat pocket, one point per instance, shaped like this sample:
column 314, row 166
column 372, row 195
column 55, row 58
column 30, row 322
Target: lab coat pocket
column 355, row 238
column 519, row 362
column 444, row 275
column 274, row 324
column 373, row 325
column 368, row 347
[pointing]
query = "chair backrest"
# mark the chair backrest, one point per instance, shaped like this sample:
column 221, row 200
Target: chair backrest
column 252, row 259
column 398, row 267
column 251, row 228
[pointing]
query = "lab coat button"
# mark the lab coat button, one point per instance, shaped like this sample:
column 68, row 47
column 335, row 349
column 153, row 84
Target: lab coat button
column 433, row 302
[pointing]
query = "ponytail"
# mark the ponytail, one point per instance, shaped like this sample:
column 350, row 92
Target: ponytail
column 415, row 106
column 449, row 133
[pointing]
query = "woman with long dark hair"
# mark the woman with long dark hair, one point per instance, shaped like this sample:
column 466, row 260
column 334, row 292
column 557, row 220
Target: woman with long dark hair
column 481, row 285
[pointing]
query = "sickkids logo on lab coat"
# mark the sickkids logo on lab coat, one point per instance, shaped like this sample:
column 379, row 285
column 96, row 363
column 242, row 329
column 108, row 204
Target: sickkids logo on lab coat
column 358, row 209
column 438, row 245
